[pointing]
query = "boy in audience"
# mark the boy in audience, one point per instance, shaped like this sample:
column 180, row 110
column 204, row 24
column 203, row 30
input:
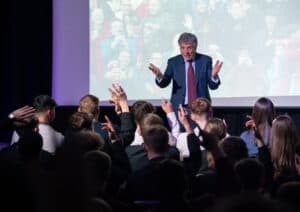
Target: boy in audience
column 45, row 113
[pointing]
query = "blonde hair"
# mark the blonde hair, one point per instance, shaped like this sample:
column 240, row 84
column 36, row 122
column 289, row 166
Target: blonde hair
column 89, row 104
column 216, row 127
column 201, row 106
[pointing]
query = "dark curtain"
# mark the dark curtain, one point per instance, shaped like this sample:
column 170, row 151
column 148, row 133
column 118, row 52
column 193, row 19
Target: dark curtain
column 26, row 52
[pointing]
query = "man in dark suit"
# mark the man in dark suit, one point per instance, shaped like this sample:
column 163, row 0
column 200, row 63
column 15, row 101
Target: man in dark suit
column 191, row 72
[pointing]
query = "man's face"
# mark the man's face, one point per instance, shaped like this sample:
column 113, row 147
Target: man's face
column 187, row 50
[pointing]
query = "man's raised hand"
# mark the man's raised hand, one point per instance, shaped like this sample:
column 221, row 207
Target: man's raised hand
column 216, row 69
column 155, row 70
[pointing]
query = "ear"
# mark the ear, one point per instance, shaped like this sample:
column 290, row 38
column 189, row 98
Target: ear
column 48, row 112
column 78, row 109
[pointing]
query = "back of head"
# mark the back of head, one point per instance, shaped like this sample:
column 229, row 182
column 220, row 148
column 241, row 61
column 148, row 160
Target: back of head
column 289, row 193
column 78, row 143
column 30, row 145
column 234, row 148
column 90, row 140
column 216, row 127
column 149, row 120
column 140, row 108
column 43, row 102
column 284, row 138
column 89, row 104
column 172, row 179
column 45, row 108
column 80, row 121
column 250, row 174
column 96, row 172
column 201, row 106
column 24, row 125
column 156, row 138
column 263, row 111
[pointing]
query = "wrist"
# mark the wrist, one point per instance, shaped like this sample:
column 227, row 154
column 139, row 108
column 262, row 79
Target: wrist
column 124, row 107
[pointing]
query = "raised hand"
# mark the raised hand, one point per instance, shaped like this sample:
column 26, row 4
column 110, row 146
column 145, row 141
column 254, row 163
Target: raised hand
column 118, row 109
column 111, row 130
column 23, row 112
column 119, row 97
column 183, row 118
column 258, row 137
column 166, row 106
column 216, row 69
column 155, row 70
column 250, row 123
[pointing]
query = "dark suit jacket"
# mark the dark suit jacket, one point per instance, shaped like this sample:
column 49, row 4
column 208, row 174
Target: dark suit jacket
column 176, row 71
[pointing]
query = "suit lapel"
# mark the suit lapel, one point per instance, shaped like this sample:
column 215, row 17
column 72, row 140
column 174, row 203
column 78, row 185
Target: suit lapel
column 182, row 74
column 197, row 67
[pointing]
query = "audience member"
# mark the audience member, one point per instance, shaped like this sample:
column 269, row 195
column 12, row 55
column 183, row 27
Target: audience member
column 45, row 113
column 144, row 183
column 279, row 161
column 216, row 127
column 17, row 115
column 201, row 111
column 90, row 104
column 250, row 175
column 234, row 148
column 262, row 116
column 79, row 121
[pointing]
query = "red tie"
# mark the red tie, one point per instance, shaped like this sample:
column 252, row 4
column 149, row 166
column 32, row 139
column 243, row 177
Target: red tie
column 191, row 84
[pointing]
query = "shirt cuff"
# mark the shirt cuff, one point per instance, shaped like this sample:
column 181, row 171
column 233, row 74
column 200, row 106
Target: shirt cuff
column 215, row 79
column 158, row 79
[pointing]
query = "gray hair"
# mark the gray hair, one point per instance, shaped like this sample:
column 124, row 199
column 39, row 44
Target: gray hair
column 187, row 37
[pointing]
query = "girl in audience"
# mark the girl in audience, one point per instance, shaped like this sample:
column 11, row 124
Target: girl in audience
column 279, row 160
column 262, row 116
column 283, row 142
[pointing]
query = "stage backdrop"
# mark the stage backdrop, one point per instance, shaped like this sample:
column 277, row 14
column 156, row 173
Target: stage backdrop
column 109, row 41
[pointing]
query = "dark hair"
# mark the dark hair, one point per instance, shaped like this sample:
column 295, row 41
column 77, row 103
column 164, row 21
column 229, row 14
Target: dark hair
column 80, row 121
column 187, row 37
column 78, row 143
column 234, row 148
column 263, row 111
column 43, row 102
column 96, row 168
column 289, row 193
column 172, row 179
column 250, row 174
column 140, row 108
column 284, row 137
column 156, row 137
